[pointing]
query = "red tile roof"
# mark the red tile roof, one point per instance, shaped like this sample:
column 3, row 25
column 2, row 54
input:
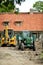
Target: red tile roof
column 31, row 22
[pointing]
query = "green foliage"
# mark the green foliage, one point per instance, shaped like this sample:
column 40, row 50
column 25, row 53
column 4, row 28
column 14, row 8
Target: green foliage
column 19, row 1
column 38, row 5
column 6, row 6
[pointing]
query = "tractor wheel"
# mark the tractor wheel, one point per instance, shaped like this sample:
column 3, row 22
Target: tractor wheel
column 3, row 45
column 22, row 46
column 19, row 46
column 11, row 45
column 34, row 47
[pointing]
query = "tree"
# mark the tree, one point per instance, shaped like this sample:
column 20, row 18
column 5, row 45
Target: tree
column 19, row 1
column 38, row 5
column 7, row 5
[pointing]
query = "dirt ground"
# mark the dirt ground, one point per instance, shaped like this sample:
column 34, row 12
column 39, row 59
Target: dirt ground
column 10, row 56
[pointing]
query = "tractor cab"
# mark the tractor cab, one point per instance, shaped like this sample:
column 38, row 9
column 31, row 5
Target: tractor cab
column 10, row 33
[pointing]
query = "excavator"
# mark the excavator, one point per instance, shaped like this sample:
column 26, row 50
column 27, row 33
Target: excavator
column 8, row 37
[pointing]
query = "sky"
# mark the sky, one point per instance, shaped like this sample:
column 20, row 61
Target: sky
column 25, row 6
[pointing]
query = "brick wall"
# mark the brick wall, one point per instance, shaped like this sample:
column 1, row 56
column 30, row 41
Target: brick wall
column 31, row 22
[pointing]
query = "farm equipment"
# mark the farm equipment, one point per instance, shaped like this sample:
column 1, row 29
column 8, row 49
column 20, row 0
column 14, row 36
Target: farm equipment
column 26, row 40
column 8, row 38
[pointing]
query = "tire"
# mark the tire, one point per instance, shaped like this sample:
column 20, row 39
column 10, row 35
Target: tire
column 19, row 46
column 34, row 47
column 11, row 45
column 22, row 46
column 4, row 45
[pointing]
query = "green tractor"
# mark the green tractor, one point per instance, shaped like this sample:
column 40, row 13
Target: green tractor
column 25, row 39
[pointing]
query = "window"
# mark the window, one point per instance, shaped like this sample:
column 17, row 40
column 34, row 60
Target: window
column 5, row 23
column 18, row 23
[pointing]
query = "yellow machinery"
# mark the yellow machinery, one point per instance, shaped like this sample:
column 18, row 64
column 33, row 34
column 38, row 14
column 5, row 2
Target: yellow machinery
column 8, row 38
